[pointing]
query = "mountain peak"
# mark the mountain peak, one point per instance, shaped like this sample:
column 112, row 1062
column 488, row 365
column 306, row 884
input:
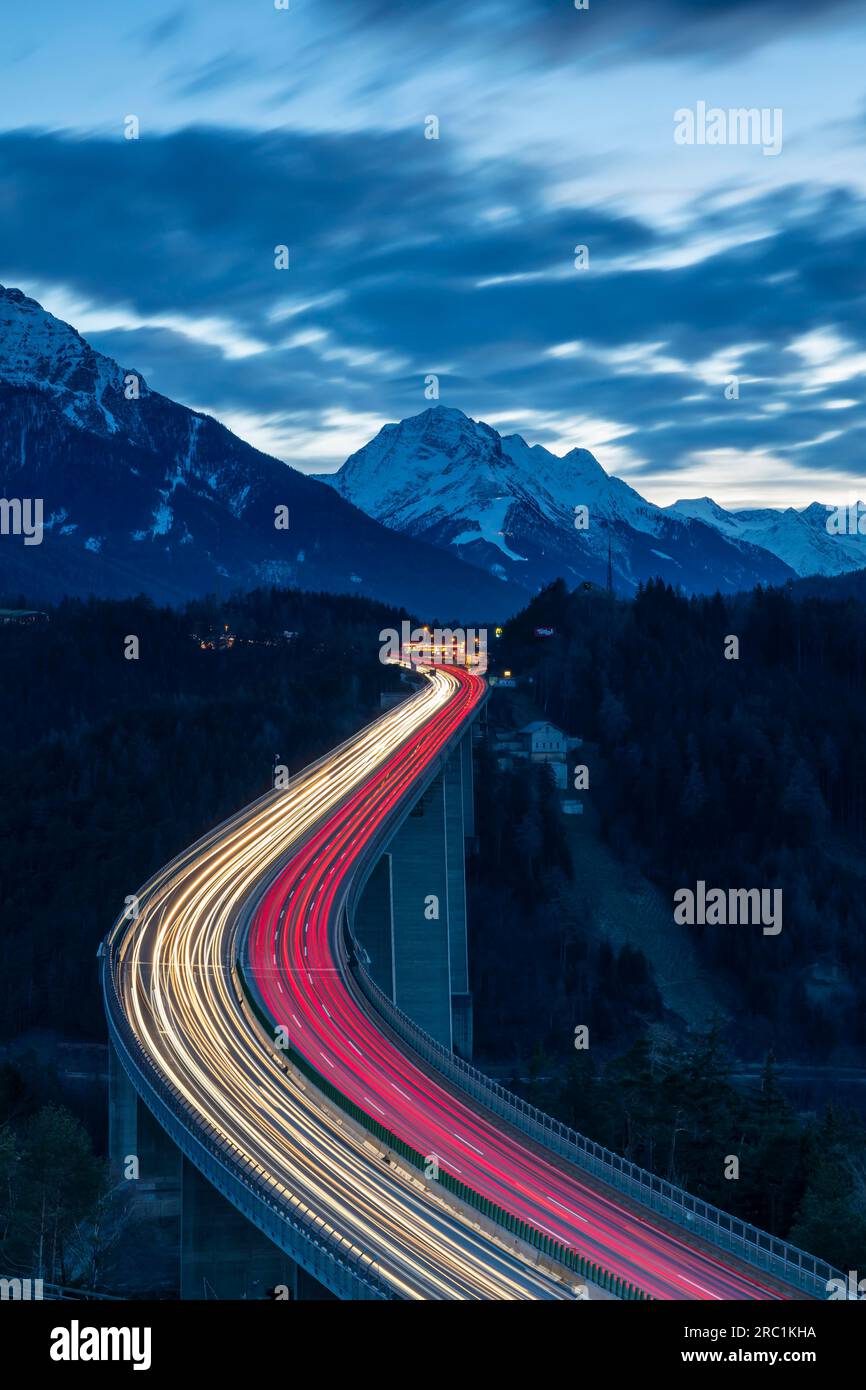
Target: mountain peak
column 16, row 296
column 705, row 509
column 448, row 412
column 445, row 419
column 512, row 508
column 816, row 511
column 39, row 350
column 26, row 325
column 433, row 414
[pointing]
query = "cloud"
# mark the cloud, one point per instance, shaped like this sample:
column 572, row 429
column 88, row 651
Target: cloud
column 404, row 260
column 621, row 30
column 162, row 31
column 225, row 70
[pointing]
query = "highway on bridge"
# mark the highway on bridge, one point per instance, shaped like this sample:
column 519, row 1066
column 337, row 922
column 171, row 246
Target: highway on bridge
column 295, row 958
column 277, row 876
column 175, row 982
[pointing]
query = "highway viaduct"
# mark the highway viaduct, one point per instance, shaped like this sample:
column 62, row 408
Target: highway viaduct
column 408, row 921
column 280, row 1176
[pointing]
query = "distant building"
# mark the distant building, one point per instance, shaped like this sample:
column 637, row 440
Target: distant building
column 544, row 742
column 539, row 742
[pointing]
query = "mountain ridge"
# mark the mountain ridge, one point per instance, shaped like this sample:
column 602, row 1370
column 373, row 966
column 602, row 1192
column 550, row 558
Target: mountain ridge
column 438, row 512
column 513, row 509
column 143, row 495
column 799, row 536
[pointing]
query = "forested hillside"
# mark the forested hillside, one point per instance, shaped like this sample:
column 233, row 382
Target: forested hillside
column 110, row 766
column 743, row 773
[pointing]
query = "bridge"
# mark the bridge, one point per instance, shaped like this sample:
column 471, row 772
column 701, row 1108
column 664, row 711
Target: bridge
column 291, row 1032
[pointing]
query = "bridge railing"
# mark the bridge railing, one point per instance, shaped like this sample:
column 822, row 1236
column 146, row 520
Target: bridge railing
column 699, row 1218
column 300, row 1234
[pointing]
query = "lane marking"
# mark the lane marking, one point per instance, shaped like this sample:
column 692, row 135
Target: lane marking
column 699, row 1286
column 468, row 1145
column 575, row 1214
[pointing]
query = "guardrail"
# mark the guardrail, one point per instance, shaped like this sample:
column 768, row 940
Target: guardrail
column 702, row 1219
column 298, row 1233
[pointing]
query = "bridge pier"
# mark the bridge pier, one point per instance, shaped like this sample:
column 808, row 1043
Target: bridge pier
column 454, row 778
column 411, row 916
column 122, row 1117
column 419, row 915
column 468, row 775
column 223, row 1255
column 375, row 927
column 142, row 1158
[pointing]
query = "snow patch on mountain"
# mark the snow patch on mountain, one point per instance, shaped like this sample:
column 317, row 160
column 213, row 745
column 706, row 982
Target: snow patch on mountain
column 489, row 525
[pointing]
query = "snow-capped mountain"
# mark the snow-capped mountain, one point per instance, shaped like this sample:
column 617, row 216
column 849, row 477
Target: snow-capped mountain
column 514, row 509
column 38, row 349
column 140, row 494
column 800, row 538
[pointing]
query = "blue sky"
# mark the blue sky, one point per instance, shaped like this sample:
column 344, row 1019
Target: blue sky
column 410, row 256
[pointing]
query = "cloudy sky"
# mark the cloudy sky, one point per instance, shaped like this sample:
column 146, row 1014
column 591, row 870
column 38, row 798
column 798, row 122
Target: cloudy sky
column 305, row 127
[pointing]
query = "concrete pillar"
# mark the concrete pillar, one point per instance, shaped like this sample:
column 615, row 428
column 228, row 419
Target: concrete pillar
column 461, row 1001
column 461, row 1025
column 374, row 928
column 455, row 856
column 419, row 905
column 222, row 1255
column 160, row 1159
column 468, row 784
column 133, row 1134
column 405, row 945
column 122, row 1117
